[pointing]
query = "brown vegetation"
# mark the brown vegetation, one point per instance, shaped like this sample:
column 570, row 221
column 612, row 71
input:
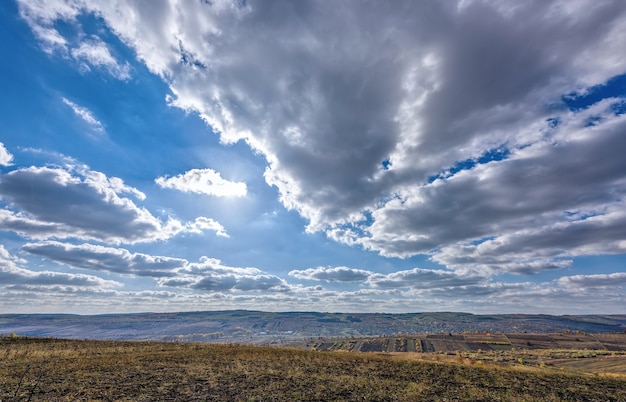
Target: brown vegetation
column 52, row 369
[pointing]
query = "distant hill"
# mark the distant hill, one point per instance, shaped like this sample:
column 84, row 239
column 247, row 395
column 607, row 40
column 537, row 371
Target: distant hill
column 242, row 326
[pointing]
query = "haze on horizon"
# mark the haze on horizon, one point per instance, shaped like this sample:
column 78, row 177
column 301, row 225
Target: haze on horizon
column 353, row 156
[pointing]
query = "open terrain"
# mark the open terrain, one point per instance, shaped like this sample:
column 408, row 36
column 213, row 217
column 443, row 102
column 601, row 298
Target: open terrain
column 68, row 370
column 257, row 327
column 603, row 353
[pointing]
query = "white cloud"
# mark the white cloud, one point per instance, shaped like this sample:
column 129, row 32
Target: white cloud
column 203, row 181
column 203, row 223
column 82, row 204
column 41, row 16
column 332, row 274
column 509, row 299
column 593, row 281
column 5, row 156
column 89, row 52
column 94, row 52
column 86, row 115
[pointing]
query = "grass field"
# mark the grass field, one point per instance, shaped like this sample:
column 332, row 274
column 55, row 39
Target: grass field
column 69, row 370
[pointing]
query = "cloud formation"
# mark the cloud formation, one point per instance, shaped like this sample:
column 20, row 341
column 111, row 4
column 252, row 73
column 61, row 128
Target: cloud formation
column 5, row 156
column 593, row 281
column 203, row 181
column 357, row 107
column 208, row 274
column 202, row 223
column 86, row 115
column 332, row 274
column 96, row 53
column 89, row 51
column 478, row 133
column 75, row 202
column 105, row 259
column 13, row 276
column 416, row 278
column 208, row 280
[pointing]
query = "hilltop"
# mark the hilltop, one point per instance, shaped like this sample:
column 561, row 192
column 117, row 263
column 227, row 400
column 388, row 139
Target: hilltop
column 67, row 370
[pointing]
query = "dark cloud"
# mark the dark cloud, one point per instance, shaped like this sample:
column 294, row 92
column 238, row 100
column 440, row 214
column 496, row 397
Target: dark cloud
column 418, row 278
column 490, row 292
column 211, row 275
column 207, row 274
column 219, row 282
column 13, row 276
column 108, row 259
column 547, row 201
column 551, row 245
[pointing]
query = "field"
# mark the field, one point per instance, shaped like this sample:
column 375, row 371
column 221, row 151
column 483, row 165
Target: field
column 68, row 370
column 471, row 342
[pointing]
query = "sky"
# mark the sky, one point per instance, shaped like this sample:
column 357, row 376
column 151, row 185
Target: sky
column 336, row 156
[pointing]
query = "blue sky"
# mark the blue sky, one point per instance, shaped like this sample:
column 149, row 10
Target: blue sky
column 278, row 155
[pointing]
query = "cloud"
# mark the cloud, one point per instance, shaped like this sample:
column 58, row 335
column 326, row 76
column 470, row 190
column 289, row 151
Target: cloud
column 13, row 276
column 46, row 202
column 106, row 259
column 209, row 274
column 547, row 178
column 411, row 129
column 593, row 281
column 41, row 17
column 203, row 181
column 480, row 293
column 528, row 297
column 5, row 156
column 9, row 260
column 202, row 223
column 334, row 274
column 418, row 278
column 86, row 115
column 89, row 52
column 551, row 244
column 194, row 285
column 96, row 53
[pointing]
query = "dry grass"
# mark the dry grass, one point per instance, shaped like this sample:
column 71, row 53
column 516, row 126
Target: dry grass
column 61, row 370
column 580, row 361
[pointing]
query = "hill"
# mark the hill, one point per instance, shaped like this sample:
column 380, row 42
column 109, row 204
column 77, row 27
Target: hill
column 257, row 327
column 68, row 370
